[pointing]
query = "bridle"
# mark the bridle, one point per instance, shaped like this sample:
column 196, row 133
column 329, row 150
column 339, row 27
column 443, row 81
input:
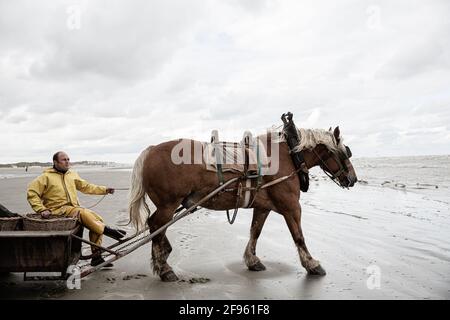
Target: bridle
column 341, row 157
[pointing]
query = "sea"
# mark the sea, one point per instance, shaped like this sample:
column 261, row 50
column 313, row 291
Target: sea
column 421, row 174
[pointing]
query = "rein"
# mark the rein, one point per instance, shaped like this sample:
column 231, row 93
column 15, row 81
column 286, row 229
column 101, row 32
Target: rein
column 101, row 199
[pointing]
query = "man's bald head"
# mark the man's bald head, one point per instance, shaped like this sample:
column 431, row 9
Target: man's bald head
column 61, row 161
column 56, row 155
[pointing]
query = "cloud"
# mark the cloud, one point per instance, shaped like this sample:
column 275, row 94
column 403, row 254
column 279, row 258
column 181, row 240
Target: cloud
column 117, row 41
column 427, row 55
column 141, row 72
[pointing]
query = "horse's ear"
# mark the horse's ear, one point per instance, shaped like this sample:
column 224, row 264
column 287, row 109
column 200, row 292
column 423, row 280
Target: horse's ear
column 337, row 133
column 329, row 129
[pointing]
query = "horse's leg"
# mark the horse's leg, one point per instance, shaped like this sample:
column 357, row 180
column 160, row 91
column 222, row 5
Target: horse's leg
column 251, row 260
column 311, row 265
column 161, row 247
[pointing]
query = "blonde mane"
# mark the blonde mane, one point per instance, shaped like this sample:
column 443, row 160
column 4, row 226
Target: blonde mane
column 310, row 138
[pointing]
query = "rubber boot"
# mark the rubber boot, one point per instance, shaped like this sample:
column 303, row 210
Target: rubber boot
column 114, row 233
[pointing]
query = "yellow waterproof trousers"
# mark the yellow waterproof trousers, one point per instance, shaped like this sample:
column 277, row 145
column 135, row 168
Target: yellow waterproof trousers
column 88, row 219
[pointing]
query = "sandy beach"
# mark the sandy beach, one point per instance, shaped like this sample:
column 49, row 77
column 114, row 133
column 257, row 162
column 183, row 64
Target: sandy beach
column 383, row 239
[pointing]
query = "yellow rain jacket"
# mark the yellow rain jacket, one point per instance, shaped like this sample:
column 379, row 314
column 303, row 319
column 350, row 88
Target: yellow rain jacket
column 52, row 190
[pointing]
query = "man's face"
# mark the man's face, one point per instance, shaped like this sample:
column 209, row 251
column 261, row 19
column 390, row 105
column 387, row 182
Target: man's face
column 63, row 162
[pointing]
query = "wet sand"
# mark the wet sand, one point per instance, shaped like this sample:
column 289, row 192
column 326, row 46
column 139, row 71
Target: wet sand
column 405, row 235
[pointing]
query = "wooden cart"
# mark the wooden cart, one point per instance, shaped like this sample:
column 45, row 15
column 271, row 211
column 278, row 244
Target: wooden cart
column 40, row 252
column 56, row 251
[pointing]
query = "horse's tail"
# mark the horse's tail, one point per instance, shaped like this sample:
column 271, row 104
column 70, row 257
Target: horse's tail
column 137, row 193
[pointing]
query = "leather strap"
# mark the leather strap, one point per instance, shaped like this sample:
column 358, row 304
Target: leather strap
column 293, row 139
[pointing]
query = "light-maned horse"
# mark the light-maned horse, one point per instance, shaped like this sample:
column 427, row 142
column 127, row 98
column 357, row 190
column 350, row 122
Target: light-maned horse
column 168, row 185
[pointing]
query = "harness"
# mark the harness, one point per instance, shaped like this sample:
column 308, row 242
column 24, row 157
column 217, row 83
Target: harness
column 247, row 178
column 255, row 189
column 292, row 138
column 301, row 170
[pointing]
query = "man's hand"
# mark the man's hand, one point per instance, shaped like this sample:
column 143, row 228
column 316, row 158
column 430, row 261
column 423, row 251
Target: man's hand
column 109, row 190
column 45, row 214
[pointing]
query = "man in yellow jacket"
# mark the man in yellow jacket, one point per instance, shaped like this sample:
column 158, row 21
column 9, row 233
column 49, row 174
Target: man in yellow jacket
column 55, row 192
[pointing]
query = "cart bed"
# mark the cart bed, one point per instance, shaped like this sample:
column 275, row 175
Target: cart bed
column 39, row 251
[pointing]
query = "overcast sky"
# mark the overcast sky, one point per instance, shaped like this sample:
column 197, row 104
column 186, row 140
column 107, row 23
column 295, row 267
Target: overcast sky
column 102, row 80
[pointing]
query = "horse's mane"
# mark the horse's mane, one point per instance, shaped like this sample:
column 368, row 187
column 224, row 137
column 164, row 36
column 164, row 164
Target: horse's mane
column 310, row 138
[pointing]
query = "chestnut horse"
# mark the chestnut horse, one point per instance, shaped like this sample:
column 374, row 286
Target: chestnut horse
column 170, row 185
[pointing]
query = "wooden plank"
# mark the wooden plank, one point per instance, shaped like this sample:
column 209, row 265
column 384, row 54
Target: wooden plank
column 37, row 234
column 34, row 234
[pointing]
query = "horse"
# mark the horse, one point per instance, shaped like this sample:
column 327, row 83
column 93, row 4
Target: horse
column 170, row 185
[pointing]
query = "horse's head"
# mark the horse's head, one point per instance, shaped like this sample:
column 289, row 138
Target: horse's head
column 335, row 161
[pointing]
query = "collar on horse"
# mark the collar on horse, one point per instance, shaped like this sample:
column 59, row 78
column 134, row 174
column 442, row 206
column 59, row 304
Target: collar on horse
column 293, row 139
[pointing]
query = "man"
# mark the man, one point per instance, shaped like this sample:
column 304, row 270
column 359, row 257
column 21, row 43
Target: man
column 55, row 192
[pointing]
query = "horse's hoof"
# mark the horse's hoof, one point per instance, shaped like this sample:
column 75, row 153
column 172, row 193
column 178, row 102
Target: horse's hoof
column 317, row 271
column 257, row 267
column 169, row 276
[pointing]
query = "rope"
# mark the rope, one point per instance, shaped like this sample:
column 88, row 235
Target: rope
column 97, row 202
column 104, row 197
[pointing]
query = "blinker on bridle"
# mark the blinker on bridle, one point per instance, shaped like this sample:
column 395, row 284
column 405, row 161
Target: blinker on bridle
column 349, row 152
